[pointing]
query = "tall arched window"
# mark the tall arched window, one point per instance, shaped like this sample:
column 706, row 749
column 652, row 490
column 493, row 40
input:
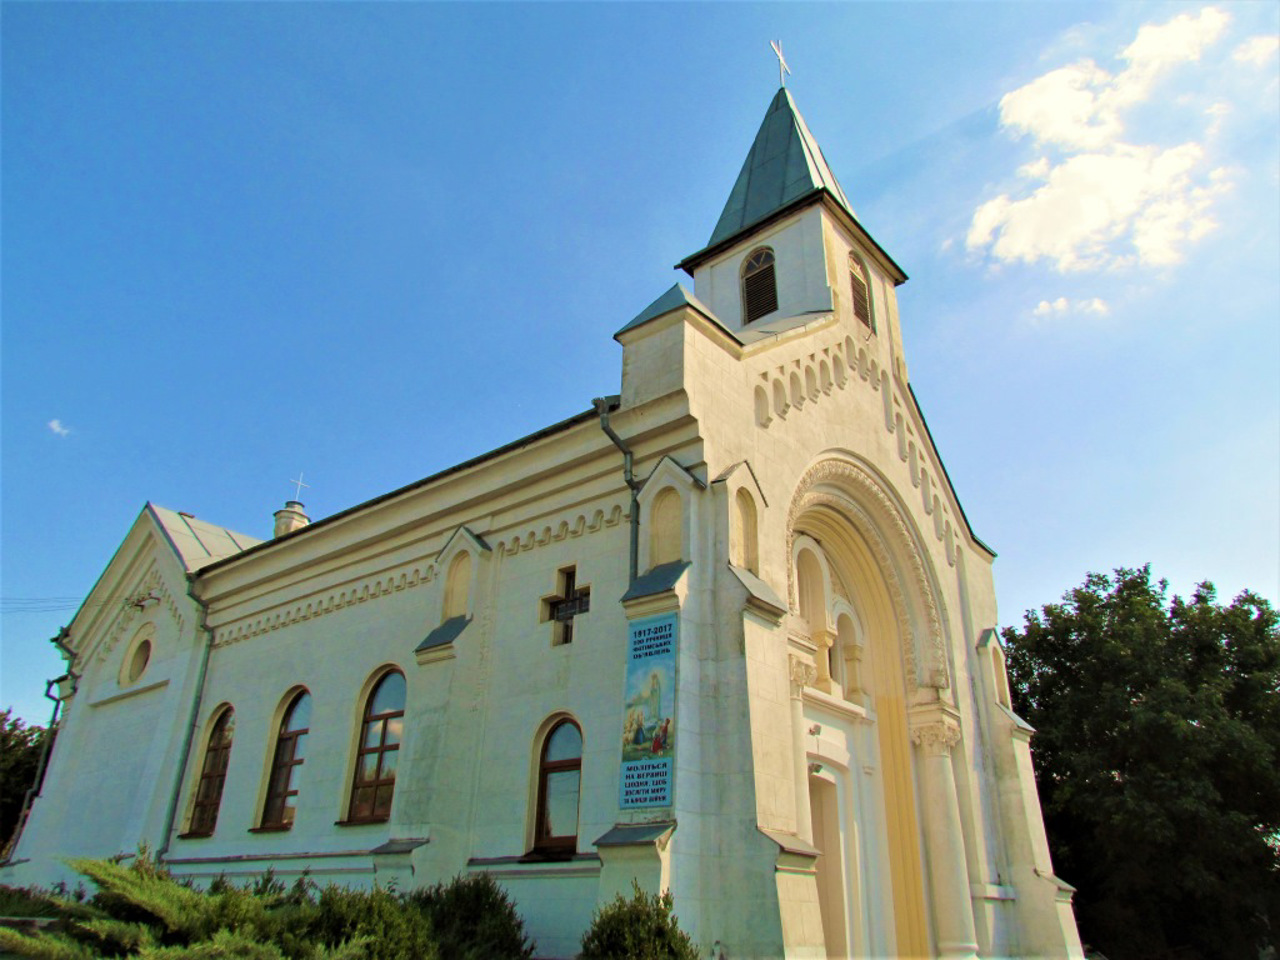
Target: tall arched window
column 213, row 775
column 380, row 735
column 759, row 286
column 559, row 784
column 861, row 291
column 282, row 788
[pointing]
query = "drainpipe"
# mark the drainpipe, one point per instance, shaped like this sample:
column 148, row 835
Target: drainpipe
column 50, row 733
column 602, row 405
column 174, row 796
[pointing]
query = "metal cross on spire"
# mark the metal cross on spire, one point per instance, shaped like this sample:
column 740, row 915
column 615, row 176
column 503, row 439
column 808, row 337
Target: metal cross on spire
column 300, row 485
column 782, row 63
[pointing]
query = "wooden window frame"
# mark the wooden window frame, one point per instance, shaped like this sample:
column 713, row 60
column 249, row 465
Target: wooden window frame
column 284, row 757
column 759, row 285
column 544, row 842
column 217, row 755
column 378, row 782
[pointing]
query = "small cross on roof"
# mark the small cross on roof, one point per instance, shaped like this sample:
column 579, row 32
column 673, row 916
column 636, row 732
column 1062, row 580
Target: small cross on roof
column 782, row 63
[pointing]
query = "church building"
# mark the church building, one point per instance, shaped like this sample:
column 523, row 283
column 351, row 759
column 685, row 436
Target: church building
column 727, row 633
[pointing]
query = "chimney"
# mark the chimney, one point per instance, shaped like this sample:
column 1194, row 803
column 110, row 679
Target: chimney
column 289, row 519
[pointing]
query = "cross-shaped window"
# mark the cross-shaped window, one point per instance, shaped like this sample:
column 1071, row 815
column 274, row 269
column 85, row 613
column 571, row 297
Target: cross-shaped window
column 567, row 604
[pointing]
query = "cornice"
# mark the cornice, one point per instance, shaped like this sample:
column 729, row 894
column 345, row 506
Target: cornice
column 405, row 576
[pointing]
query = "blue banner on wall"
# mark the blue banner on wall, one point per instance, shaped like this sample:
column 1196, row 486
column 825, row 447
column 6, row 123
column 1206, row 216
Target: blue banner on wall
column 648, row 713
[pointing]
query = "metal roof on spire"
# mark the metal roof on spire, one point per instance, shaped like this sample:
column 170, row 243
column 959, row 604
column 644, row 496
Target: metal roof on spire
column 784, row 164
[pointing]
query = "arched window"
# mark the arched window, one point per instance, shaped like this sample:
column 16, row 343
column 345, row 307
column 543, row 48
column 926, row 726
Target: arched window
column 380, row 734
column 861, row 291
column 559, row 784
column 213, row 775
column 759, row 286
column 282, row 788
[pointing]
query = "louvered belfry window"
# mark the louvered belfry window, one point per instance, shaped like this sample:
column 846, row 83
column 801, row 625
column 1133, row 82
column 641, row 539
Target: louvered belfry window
column 861, row 297
column 759, row 286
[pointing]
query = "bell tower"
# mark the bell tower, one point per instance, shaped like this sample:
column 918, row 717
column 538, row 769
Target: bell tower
column 788, row 247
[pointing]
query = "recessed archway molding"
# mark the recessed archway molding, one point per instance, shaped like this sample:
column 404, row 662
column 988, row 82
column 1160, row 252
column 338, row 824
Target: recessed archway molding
column 850, row 490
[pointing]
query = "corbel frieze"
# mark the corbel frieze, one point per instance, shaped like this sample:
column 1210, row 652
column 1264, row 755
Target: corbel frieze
column 321, row 603
column 581, row 524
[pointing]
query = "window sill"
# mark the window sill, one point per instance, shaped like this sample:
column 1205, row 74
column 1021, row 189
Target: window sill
column 193, row 836
column 363, row 822
column 272, row 828
column 549, row 855
column 538, row 865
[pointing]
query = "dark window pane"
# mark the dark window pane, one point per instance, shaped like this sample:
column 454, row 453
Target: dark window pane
column 395, row 729
column 388, row 771
column 389, row 695
column 561, row 818
column 382, row 804
column 299, row 716
column 564, row 744
column 362, row 806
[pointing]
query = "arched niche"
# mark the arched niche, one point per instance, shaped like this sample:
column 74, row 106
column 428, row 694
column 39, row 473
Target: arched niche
column 744, row 544
column 666, row 533
column 461, row 559
column 457, row 586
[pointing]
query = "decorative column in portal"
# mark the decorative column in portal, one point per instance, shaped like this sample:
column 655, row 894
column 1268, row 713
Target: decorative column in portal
column 944, row 841
column 802, row 675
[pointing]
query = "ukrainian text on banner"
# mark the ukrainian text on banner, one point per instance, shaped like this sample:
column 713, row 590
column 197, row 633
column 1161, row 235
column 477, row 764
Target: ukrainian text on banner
column 648, row 713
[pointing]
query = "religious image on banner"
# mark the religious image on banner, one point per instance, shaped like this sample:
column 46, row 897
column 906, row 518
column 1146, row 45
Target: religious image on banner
column 648, row 729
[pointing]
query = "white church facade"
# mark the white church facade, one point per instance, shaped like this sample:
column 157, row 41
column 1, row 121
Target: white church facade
column 727, row 633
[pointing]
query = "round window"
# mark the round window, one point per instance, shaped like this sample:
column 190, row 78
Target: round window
column 138, row 662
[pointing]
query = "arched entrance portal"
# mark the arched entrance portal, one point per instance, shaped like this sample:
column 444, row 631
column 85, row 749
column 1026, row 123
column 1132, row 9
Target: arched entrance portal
column 852, row 608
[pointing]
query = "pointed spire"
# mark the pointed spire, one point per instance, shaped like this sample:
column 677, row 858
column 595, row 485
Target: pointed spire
column 784, row 163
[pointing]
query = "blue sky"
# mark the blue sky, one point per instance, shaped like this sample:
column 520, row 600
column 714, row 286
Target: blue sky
column 367, row 241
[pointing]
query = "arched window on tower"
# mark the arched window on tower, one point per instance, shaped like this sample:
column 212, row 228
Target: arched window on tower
column 380, row 734
column 282, row 788
column 213, row 775
column 861, row 289
column 559, row 785
column 759, row 286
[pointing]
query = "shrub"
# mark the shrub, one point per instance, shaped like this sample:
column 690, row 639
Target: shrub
column 26, row 902
column 473, row 919
column 641, row 928
column 393, row 932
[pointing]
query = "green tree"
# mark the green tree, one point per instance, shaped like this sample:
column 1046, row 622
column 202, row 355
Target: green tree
column 20, row 748
column 1158, row 762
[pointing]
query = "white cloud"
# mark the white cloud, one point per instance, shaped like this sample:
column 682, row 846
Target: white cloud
column 57, row 427
column 1102, row 201
column 1063, row 306
column 1257, row 50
